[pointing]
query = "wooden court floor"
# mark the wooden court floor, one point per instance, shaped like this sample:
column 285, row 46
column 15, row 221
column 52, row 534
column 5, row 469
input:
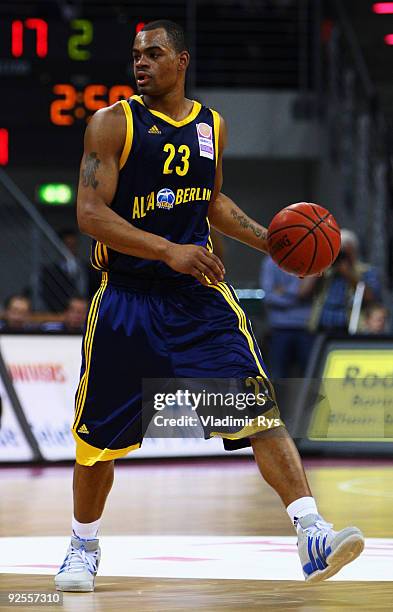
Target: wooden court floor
column 220, row 498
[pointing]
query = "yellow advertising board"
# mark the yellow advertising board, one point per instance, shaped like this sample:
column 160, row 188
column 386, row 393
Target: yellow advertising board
column 355, row 400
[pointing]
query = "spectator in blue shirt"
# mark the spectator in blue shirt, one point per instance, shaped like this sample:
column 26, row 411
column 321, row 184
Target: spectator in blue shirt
column 335, row 290
column 288, row 303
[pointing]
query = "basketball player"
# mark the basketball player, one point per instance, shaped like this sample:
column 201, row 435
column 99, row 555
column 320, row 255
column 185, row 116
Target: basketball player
column 150, row 179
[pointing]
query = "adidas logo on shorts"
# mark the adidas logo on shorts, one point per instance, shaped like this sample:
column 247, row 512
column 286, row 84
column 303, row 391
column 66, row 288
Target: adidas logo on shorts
column 83, row 429
column 154, row 130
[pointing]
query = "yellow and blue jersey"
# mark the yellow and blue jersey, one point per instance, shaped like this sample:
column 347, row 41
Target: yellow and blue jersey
column 147, row 321
column 166, row 181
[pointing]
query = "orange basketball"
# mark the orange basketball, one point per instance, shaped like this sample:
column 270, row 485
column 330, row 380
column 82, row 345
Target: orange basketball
column 304, row 239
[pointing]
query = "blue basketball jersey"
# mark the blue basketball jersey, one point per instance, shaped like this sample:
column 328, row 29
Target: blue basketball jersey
column 166, row 180
column 152, row 321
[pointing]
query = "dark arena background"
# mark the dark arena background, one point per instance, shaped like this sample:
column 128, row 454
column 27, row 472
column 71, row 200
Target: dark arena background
column 305, row 88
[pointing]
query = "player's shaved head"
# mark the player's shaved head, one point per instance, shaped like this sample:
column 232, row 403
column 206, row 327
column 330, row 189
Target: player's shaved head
column 174, row 32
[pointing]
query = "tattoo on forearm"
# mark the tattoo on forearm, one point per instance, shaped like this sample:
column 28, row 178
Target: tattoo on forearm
column 247, row 224
column 89, row 170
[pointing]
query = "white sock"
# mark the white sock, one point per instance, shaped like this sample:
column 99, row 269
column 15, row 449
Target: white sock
column 85, row 531
column 301, row 507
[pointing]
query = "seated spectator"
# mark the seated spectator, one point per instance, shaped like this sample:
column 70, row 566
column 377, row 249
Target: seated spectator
column 288, row 303
column 17, row 314
column 335, row 289
column 376, row 319
column 74, row 317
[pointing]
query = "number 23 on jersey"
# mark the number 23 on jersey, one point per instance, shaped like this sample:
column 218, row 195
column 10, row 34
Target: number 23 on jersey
column 184, row 151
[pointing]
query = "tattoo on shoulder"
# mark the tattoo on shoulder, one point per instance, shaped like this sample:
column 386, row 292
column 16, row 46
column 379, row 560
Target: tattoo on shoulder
column 247, row 224
column 89, row 170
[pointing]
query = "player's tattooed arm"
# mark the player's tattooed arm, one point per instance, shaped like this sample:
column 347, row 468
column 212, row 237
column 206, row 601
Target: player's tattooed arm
column 244, row 221
column 230, row 220
column 226, row 217
column 89, row 170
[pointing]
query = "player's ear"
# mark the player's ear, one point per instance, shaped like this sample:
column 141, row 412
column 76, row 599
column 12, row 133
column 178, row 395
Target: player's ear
column 184, row 60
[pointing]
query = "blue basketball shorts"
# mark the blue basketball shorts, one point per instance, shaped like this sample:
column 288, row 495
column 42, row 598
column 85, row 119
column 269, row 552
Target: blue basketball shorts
column 149, row 330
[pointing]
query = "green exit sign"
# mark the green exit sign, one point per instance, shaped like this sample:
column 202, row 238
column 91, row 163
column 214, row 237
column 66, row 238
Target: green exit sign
column 55, row 194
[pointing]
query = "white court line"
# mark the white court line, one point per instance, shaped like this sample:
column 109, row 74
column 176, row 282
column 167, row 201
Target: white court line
column 356, row 486
column 221, row 557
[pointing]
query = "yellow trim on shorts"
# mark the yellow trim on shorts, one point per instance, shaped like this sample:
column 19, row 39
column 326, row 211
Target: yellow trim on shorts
column 216, row 124
column 88, row 343
column 129, row 133
column 249, row 430
column 89, row 455
column 253, row 428
column 225, row 292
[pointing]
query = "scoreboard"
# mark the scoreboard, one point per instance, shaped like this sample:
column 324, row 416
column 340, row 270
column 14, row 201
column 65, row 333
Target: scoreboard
column 54, row 74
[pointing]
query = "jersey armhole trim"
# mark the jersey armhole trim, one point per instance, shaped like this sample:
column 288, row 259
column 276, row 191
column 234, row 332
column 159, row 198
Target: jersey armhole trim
column 216, row 124
column 129, row 133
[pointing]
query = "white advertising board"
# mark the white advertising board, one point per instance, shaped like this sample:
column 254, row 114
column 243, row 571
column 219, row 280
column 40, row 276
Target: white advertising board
column 13, row 444
column 45, row 373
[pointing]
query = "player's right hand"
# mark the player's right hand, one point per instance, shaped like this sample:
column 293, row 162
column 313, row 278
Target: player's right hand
column 197, row 261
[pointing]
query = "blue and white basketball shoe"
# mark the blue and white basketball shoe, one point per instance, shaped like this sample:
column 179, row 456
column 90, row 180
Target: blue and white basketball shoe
column 80, row 566
column 323, row 551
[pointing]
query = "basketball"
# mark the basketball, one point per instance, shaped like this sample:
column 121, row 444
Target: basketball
column 304, row 239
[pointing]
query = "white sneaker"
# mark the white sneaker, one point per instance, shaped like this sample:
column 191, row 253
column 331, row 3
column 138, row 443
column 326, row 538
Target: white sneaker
column 323, row 551
column 80, row 566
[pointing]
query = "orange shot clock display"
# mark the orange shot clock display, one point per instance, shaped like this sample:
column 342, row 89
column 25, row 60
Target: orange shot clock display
column 72, row 105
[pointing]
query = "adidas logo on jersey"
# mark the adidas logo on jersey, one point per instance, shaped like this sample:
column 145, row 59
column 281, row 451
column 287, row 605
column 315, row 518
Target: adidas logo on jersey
column 154, row 130
column 83, row 429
